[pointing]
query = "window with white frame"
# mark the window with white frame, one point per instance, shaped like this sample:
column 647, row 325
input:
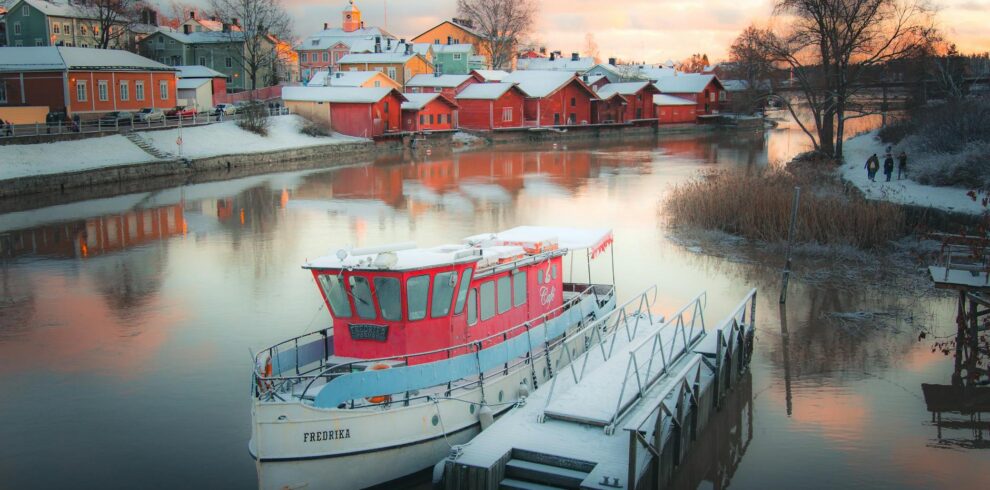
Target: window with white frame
column 391, row 72
column 202, row 60
column 18, row 43
column 378, row 83
column 506, row 113
column 26, row 11
column 457, row 56
column 139, row 90
column 326, row 57
column 55, row 27
column 228, row 62
column 81, row 91
column 17, row 27
column 163, row 90
column 102, row 89
column 161, row 40
column 125, row 90
column 38, row 42
column 66, row 28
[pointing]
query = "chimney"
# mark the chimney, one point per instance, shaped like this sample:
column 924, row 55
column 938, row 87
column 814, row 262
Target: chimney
column 543, row 50
column 214, row 19
column 388, row 44
column 402, row 41
column 326, row 26
column 450, row 40
column 575, row 57
column 234, row 22
column 408, row 49
column 186, row 29
column 584, row 78
column 192, row 14
column 553, row 55
column 362, row 24
column 378, row 44
column 611, row 61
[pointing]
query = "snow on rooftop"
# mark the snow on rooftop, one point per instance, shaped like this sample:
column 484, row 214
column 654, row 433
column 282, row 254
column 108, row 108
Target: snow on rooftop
column 486, row 91
column 685, row 83
column 492, row 75
column 336, row 94
column 191, row 83
column 375, row 58
column 624, row 88
column 568, row 238
column 539, row 83
column 35, row 58
column 430, row 80
column 559, row 64
column 198, row 71
column 341, row 78
column 453, row 48
column 670, row 100
column 653, row 73
column 415, row 102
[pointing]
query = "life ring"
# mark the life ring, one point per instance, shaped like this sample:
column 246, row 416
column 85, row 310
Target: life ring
column 380, row 398
column 265, row 384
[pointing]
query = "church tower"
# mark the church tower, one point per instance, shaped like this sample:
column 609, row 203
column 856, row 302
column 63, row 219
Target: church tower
column 351, row 17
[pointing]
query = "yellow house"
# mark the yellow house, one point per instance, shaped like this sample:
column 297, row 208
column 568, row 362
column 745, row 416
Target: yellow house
column 398, row 66
column 365, row 79
column 456, row 31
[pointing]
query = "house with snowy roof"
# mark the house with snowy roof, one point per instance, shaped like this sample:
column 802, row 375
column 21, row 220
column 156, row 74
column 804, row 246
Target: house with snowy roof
column 490, row 106
column 454, row 59
column 458, row 31
column 84, row 81
column 705, row 89
column 55, row 23
column 675, row 110
column 638, row 97
column 198, row 86
column 400, row 67
column 321, row 50
column 449, row 85
column 490, row 75
column 354, row 111
column 429, row 112
column 367, row 79
column 574, row 64
column 553, row 98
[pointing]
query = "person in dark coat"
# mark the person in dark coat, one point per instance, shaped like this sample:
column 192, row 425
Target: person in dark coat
column 872, row 165
column 901, row 165
column 888, row 166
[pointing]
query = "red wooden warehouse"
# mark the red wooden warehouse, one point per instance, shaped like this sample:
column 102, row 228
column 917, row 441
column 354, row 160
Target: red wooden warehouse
column 490, row 106
column 674, row 110
column 638, row 96
column 609, row 110
column 705, row 90
column 354, row 111
column 428, row 112
column 553, row 98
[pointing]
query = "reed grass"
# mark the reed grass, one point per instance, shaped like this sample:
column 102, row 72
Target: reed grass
column 757, row 205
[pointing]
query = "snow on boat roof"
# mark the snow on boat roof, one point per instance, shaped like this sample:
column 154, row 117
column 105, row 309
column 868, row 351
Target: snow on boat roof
column 484, row 90
column 594, row 239
column 664, row 99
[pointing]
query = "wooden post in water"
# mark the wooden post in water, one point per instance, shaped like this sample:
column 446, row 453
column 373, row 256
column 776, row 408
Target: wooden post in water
column 790, row 244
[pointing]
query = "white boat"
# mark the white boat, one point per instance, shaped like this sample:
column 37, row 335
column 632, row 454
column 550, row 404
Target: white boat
column 426, row 346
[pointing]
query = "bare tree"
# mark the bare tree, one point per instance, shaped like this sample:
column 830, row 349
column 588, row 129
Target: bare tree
column 501, row 23
column 750, row 63
column 114, row 19
column 832, row 46
column 258, row 26
column 949, row 68
column 591, row 47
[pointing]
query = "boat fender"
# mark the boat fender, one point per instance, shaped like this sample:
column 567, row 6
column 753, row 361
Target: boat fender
column 486, row 417
column 523, row 390
column 438, row 470
column 265, row 372
column 380, row 398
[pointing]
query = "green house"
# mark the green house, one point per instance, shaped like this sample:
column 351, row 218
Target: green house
column 453, row 59
column 221, row 51
column 53, row 23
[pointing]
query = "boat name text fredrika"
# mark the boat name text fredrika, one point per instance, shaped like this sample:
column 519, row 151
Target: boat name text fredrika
column 364, row 331
column 327, row 435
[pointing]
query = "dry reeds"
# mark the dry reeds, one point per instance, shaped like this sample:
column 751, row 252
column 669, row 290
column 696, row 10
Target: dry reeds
column 757, row 206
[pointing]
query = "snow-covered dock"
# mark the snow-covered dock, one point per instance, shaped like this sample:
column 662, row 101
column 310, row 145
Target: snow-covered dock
column 623, row 414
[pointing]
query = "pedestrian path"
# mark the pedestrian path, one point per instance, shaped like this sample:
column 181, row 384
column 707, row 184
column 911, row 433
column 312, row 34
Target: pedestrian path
column 147, row 146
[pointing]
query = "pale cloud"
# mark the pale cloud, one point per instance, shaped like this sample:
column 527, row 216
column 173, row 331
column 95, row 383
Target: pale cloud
column 642, row 30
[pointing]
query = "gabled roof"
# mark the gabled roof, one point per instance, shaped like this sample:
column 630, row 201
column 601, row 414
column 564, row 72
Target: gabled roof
column 205, row 37
column 443, row 81
column 198, row 71
column 466, row 29
column 667, row 100
column 541, row 83
column 415, row 102
column 485, row 91
column 191, row 83
column 329, row 37
column 46, row 58
column 453, row 48
column 685, row 83
column 592, row 79
column 343, row 78
column 56, row 8
column 376, row 58
column 557, row 64
column 491, row 75
column 655, row 73
column 624, row 88
column 355, row 95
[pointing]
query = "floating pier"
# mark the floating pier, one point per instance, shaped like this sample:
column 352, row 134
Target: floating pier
column 622, row 415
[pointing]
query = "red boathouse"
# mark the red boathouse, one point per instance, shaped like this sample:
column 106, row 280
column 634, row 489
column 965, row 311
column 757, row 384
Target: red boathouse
column 638, row 96
column 553, row 98
column 354, row 111
column 490, row 106
column 428, row 112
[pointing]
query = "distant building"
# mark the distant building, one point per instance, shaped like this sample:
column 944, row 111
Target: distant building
column 704, row 90
column 428, row 112
column 84, row 81
column 366, row 79
column 638, row 97
column 55, row 23
column 457, row 31
column 398, row 66
column 490, row 106
column 322, row 50
column 553, row 98
column 354, row 111
column 574, row 64
column 199, row 86
column 3, row 26
column 453, row 59
column 675, row 110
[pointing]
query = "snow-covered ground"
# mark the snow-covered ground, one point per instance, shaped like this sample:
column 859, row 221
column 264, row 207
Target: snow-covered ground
column 227, row 139
column 68, row 156
column 905, row 191
column 198, row 142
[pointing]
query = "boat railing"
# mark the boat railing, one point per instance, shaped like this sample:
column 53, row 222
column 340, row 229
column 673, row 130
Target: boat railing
column 679, row 401
column 964, row 253
column 650, row 358
column 300, row 353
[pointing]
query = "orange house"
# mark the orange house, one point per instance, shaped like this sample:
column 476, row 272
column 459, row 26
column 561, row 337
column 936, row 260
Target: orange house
column 87, row 81
column 456, row 31
column 400, row 67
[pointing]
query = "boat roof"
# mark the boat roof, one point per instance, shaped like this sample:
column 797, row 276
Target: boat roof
column 488, row 249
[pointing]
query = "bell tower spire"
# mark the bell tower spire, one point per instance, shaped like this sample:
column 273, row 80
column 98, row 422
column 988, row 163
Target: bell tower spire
column 351, row 17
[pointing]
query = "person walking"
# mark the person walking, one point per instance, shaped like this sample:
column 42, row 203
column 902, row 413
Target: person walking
column 872, row 165
column 888, row 166
column 901, row 165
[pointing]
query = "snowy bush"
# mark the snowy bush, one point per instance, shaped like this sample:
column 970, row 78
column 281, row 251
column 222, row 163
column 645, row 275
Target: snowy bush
column 969, row 168
column 950, row 127
column 316, row 128
column 254, row 117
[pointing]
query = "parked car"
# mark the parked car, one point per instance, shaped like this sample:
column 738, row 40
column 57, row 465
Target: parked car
column 118, row 118
column 226, row 109
column 150, row 115
column 181, row 111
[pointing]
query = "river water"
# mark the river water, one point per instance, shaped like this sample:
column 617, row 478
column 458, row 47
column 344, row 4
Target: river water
column 126, row 322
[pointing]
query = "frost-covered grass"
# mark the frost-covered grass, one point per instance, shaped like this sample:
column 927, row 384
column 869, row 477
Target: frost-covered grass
column 757, row 206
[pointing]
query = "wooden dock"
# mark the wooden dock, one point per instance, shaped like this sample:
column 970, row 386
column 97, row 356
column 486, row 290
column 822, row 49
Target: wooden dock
column 622, row 415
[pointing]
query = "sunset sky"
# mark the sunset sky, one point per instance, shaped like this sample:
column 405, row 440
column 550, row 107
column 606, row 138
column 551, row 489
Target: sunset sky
column 640, row 30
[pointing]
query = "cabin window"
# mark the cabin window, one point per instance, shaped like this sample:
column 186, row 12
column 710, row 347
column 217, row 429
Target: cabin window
column 389, row 297
column 333, row 287
column 417, row 288
column 462, row 290
column 487, row 300
column 519, row 288
column 362, row 297
column 472, row 304
column 504, row 294
column 443, row 292
column 553, row 271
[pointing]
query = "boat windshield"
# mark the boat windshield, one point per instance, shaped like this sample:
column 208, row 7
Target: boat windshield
column 333, row 288
column 443, row 293
column 462, row 290
column 417, row 288
column 389, row 297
